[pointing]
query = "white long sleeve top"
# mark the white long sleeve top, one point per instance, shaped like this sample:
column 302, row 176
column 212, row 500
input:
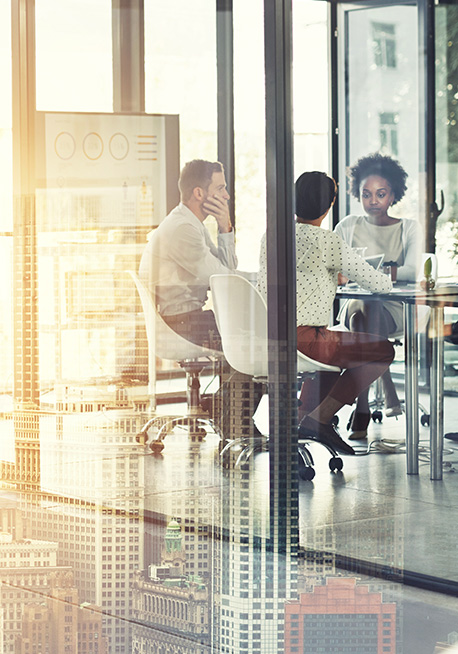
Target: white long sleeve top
column 179, row 259
column 411, row 242
column 320, row 256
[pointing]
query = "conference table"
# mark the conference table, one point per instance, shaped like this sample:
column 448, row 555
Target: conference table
column 411, row 295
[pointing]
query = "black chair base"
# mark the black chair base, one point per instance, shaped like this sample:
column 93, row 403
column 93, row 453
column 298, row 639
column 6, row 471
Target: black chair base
column 250, row 446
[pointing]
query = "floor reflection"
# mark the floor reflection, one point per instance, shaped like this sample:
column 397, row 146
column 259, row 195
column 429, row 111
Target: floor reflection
column 108, row 548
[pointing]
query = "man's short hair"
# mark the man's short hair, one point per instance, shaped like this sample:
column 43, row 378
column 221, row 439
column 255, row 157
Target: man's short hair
column 315, row 193
column 197, row 173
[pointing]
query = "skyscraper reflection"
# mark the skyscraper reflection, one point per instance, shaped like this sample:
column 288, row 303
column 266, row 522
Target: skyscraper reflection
column 91, row 504
column 252, row 610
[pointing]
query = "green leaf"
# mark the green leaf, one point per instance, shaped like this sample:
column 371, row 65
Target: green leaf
column 428, row 267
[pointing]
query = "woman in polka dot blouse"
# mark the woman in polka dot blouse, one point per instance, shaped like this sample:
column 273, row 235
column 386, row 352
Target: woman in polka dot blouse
column 321, row 256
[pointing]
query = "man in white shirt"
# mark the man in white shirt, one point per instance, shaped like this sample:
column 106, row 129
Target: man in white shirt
column 180, row 256
column 176, row 267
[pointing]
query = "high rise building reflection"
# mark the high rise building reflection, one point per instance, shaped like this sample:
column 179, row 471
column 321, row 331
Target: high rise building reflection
column 341, row 616
column 169, row 607
column 371, row 549
column 252, row 609
column 183, row 484
column 40, row 603
column 91, row 505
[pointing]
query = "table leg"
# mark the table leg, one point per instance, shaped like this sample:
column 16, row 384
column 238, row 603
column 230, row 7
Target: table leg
column 411, row 387
column 437, row 392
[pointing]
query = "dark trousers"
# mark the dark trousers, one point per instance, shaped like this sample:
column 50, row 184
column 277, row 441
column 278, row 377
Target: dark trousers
column 196, row 326
column 236, row 401
column 362, row 357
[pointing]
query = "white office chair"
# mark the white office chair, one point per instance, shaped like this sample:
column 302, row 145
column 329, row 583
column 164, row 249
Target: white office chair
column 165, row 343
column 423, row 313
column 241, row 316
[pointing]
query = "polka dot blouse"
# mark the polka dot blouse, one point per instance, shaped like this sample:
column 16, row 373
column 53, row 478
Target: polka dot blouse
column 320, row 256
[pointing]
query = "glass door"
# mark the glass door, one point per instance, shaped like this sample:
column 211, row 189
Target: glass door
column 446, row 158
column 446, row 106
column 382, row 81
column 379, row 90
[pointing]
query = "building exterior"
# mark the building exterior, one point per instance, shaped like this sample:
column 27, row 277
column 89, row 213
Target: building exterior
column 58, row 625
column 316, row 561
column 90, row 630
column 12, row 520
column 252, row 608
column 171, row 609
column 342, row 617
column 28, row 570
column 37, row 634
column 41, row 612
column 92, row 506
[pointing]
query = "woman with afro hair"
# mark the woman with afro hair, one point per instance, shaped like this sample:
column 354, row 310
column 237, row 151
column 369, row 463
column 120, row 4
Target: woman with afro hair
column 379, row 182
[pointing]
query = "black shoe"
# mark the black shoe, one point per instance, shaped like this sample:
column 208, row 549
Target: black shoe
column 452, row 435
column 310, row 428
column 358, row 425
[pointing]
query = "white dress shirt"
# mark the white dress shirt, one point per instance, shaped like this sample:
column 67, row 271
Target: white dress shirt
column 179, row 259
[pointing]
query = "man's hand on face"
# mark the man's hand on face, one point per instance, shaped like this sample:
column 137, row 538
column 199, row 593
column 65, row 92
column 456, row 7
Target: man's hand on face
column 219, row 208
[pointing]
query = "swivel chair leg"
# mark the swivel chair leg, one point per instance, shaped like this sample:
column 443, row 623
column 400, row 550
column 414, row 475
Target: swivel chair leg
column 335, row 462
column 195, row 420
column 305, row 463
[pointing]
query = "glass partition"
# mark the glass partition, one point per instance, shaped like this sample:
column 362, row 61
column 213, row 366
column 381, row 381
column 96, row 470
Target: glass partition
column 6, row 212
column 446, row 158
column 140, row 505
column 180, row 78
column 250, row 131
column 311, row 87
column 446, row 101
column 154, row 495
column 360, row 542
column 381, row 91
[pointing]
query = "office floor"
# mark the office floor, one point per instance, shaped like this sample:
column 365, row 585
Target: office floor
column 381, row 514
column 376, row 511
column 373, row 523
column 406, row 527
column 370, row 522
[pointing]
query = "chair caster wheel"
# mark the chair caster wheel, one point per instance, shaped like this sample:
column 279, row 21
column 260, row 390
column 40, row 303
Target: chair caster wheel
column 306, row 473
column 424, row 420
column 156, row 447
column 335, row 463
column 377, row 416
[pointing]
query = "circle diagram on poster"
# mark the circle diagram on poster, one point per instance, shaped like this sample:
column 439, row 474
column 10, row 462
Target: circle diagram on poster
column 64, row 145
column 93, row 146
column 119, row 146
